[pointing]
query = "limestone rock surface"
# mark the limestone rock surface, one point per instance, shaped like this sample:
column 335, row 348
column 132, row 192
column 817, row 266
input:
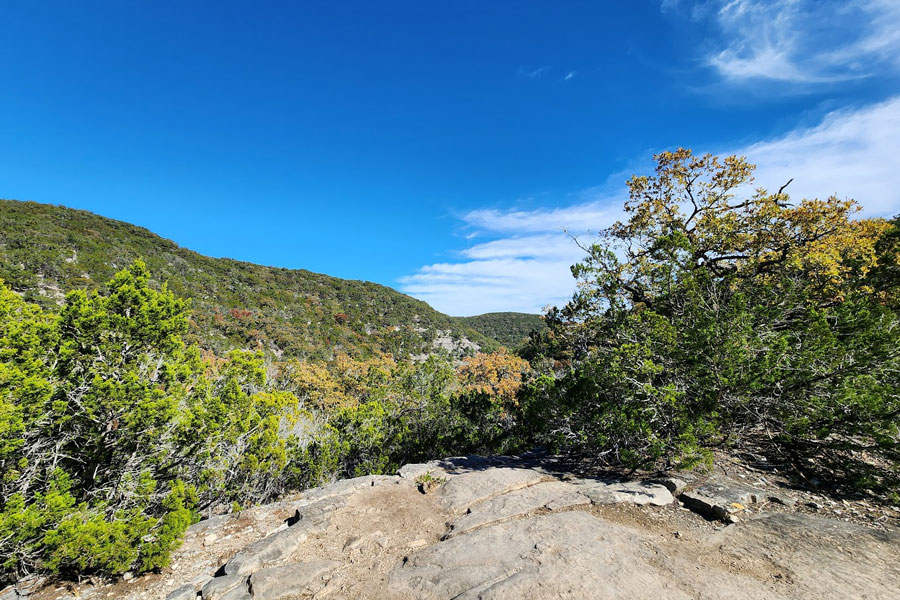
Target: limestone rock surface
column 290, row 581
column 569, row 554
column 616, row 492
column 503, row 527
column 462, row 491
column 550, row 495
column 823, row 558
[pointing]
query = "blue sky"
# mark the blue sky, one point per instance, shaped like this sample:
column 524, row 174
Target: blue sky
column 436, row 147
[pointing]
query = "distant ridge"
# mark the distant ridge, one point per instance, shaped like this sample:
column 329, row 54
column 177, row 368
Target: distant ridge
column 47, row 250
column 509, row 328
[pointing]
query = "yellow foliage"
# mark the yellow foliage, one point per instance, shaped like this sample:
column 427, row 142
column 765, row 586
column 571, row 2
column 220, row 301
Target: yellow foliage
column 498, row 375
column 694, row 199
column 314, row 384
column 355, row 376
column 343, row 383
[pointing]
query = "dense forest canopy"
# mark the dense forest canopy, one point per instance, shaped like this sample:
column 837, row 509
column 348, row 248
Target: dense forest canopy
column 47, row 251
column 511, row 329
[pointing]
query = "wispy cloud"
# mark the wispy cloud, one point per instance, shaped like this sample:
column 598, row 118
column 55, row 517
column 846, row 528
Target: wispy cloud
column 532, row 73
column 669, row 5
column 799, row 41
column 852, row 153
column 541, row 72
column 524, row 263
column 524, row 268
column 585, row 215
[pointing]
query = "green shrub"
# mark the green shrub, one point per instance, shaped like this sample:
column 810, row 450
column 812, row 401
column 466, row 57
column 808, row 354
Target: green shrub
column 105, row 414
column 707, row 319
column 115, row 435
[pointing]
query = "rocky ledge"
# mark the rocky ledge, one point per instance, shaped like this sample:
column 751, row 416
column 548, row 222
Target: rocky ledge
column 519, row 528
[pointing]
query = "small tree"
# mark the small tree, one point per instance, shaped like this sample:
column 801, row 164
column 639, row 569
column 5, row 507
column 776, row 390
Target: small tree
column 112, row 432
column 714, row 313
column 498, row 375
column 88, row 488
column 237, row 433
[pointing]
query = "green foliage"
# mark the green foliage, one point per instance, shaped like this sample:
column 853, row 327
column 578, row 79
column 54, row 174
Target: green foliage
column 47, row 251
column 234, row 436
column 884, row 277
column 511, row 329
column 115, row 435
column 705, row 319
column 427, row 477
column 122, row 373
column 105, row 414
column 619, row 402
column 25, row 333
column 409, row 412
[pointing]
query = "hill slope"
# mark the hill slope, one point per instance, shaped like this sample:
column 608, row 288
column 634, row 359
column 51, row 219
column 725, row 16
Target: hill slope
column 509, row 328
column 46, row 251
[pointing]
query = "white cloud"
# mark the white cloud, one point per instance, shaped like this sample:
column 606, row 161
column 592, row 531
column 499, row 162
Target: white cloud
column 570, row 75
column 524, row 269
column 800, row 41
column 542, row 219
column 540, row 246
column 524, row 264
column 500, row 284
column 851, row 153
column 532, row 74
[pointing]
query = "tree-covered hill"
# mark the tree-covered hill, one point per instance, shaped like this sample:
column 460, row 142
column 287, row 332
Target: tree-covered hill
column 46, row 251
column 509, row 328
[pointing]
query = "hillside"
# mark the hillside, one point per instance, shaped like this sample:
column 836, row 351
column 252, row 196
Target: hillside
column 46, row 251
column 508, row 328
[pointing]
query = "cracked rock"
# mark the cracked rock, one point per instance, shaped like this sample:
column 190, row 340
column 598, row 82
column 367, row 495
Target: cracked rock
column 463, row 491
column 553, row 495
column 276, row 548
column 616, row 492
